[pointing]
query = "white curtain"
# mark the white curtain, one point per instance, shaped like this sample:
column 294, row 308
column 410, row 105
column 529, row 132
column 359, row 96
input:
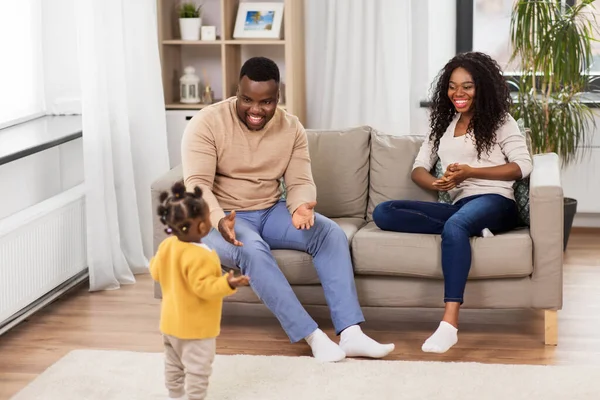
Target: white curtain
column 124, row 134
column 358, row 64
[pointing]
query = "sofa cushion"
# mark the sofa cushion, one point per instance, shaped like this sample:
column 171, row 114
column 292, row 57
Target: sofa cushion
column 340, row 168
column 392, row 158
column 297, row 266
column 377, row 252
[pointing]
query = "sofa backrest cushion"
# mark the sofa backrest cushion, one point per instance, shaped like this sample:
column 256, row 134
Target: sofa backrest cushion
column 340, row 168
column 392, row 158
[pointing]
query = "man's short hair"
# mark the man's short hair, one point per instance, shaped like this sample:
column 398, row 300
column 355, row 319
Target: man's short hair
column 260, row 69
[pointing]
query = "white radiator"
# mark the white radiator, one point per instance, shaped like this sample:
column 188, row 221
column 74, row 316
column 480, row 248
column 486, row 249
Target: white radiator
column 41, row 248
column 580, row 181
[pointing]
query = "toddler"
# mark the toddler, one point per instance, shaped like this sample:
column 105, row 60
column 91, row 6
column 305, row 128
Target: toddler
column 193, row 287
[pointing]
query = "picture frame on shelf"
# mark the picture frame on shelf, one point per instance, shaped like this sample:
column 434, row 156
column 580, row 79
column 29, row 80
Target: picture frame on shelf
column 258, row 21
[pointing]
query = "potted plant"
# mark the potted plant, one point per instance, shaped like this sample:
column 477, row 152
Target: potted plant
column 190, row 20
column 552, row 48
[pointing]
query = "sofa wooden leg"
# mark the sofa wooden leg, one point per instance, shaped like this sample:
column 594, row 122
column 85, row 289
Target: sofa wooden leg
column 550, row 327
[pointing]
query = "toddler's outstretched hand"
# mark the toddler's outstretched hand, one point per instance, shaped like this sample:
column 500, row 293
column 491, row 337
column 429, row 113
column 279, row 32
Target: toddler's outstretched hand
column 236, row 281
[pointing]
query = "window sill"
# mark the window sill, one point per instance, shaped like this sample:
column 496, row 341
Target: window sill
column 37, row 135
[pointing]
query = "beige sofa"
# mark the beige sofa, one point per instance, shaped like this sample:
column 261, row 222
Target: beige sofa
column 356, row 169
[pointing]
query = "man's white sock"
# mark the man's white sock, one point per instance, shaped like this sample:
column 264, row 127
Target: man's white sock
column 442, row 339
column 356, row 344
column 323, row 348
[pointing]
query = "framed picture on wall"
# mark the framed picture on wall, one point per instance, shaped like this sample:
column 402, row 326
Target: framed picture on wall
column 258, row 21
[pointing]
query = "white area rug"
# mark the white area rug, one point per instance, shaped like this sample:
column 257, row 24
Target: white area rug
column 116, row 375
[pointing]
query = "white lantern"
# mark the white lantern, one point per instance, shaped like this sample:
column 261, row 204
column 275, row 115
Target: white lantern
column 189, row 85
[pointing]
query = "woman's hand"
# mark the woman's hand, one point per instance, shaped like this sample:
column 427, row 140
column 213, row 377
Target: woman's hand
column 444, row 184
column 455, row 175
column 458, row 172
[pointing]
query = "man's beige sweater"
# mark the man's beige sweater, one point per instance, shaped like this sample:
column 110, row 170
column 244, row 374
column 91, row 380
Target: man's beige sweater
column 238, row 169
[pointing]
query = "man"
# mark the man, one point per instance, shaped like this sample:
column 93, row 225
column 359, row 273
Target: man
column 236, row 151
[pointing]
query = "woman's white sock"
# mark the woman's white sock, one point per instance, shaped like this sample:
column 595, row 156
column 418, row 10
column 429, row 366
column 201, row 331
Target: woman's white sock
column 486, row 233
column 442, row 339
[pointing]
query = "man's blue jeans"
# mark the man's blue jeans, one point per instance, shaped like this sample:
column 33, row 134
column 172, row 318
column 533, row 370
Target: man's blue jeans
column 263, row 230
column 456, row 223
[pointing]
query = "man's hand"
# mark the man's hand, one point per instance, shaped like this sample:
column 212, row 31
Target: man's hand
column 237, row 281
column 455, row 174
column 304, row 216
column 226, row 228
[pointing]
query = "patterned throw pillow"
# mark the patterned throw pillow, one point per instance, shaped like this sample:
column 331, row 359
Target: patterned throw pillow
column 283, row 189
column 443, row 197
column 521, row 187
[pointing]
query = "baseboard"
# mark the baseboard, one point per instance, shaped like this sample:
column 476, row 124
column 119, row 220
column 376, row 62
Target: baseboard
column 45, row 300
column 587, row 220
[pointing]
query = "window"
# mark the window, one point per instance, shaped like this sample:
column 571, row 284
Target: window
column 595, row 11
column 491, row 31
column 484, row 25
column 21, row 68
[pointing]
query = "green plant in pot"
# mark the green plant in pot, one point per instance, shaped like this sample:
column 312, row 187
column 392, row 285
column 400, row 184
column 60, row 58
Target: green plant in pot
column 552, row 48
column 190, row 20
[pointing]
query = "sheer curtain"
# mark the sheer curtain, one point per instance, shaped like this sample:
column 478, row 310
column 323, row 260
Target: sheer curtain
column 124, row 141
column 358, row 64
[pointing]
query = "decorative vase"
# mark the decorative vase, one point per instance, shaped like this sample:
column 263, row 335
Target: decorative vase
column 208, row 97
column 189, row 86
column 190, row 28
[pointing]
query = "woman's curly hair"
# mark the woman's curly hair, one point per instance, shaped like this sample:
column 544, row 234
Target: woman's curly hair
column 491, row 103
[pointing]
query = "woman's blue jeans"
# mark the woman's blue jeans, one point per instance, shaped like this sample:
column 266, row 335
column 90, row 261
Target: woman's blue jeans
column 456, row 223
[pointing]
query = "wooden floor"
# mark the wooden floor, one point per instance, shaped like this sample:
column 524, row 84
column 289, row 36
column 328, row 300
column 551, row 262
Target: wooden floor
column 127, row 319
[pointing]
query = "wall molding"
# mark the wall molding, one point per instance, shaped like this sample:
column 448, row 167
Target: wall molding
column 587, row 220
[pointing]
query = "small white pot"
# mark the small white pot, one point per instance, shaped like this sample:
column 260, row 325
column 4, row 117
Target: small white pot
column 190, row 28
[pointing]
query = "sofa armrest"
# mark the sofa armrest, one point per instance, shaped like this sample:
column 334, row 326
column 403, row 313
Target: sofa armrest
column 546, row 208
column 163, row 183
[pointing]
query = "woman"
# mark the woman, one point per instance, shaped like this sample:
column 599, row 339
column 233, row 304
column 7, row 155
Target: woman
column 482, row 152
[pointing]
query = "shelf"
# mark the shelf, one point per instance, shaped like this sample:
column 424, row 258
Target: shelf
column 255, row 41
column 198, row 106
column 178, row 42
column 218, row 62
column 183, row 106
column 192, row 42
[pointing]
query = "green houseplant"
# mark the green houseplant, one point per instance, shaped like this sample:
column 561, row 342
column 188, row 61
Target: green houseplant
column 190, row 20
column 551, row 45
